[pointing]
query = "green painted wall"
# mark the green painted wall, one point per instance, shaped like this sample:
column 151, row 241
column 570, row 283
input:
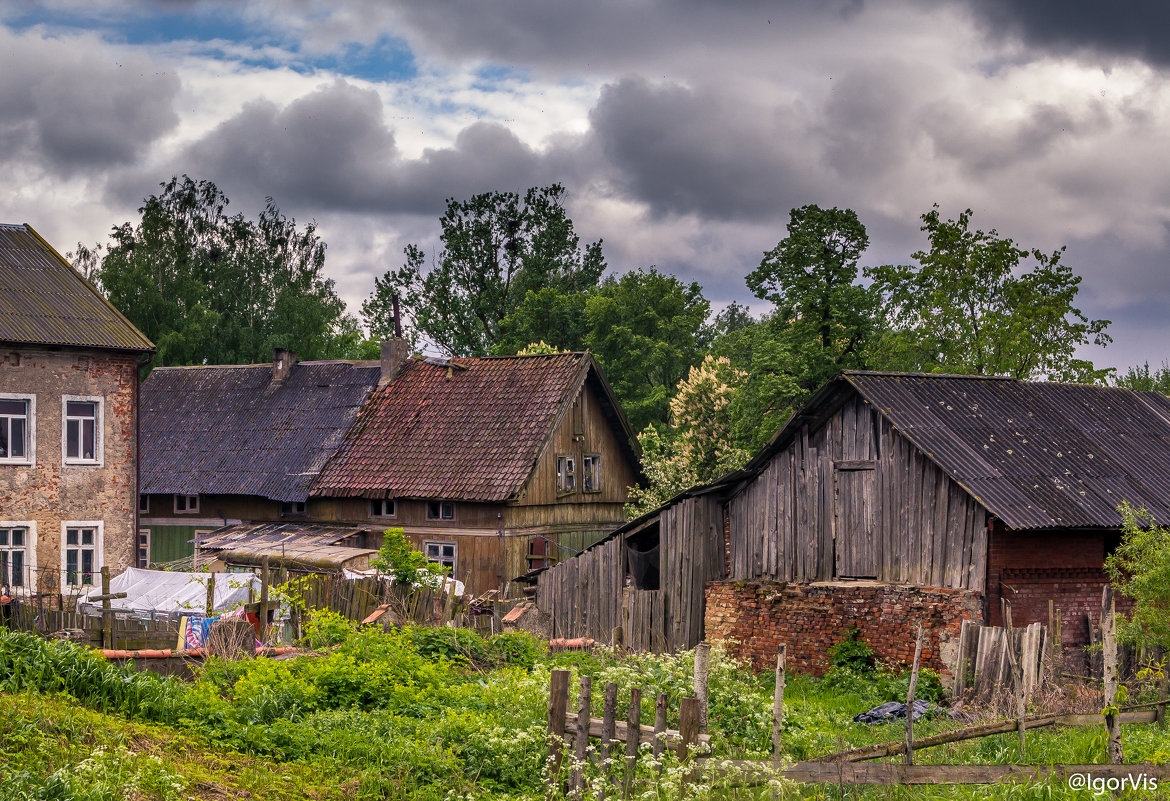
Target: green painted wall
column 168, row 543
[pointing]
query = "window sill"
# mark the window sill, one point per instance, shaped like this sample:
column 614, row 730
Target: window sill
column 18, row 462
column 82, row 463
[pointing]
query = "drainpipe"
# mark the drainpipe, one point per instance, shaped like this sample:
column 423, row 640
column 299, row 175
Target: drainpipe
column 143, row 360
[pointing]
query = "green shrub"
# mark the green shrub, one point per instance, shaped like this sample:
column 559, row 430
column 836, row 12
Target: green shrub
column 517, row 648
column 462, row 646
column 852, row 652
column 326, row 627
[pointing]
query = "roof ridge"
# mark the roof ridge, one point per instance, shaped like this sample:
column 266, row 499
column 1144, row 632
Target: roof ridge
column 898, row 374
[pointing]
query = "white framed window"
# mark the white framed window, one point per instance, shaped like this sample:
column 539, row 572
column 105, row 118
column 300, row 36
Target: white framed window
column 144, row 504
column 186, row 504
column 591, row 472
column 18, row 429
column 18, row 554
column 292, row 507
column 82, row 423
column 81, row 552
column 440, row 510
column 386, row 507
column 566, row 474
column 441, row 553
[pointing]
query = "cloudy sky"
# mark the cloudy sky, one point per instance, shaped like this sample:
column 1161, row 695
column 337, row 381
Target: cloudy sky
column 684, row 131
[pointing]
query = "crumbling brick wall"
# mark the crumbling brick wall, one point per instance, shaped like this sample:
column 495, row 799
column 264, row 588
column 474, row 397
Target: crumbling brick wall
column 809, row 618
column 49, row 492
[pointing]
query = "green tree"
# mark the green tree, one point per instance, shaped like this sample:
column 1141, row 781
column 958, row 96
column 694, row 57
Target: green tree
column 963, row 308
column 209, row 288
column 647, row 329
column 1140, row 569
column 497, row 250
column 1143, row 379
column 811, row 278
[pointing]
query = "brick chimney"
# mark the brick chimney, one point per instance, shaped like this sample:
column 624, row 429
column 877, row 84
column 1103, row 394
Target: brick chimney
column 393, row 357
column 282, row 363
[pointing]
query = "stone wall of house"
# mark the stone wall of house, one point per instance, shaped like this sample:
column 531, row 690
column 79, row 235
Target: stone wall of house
column 756, row 616
column 48, row 493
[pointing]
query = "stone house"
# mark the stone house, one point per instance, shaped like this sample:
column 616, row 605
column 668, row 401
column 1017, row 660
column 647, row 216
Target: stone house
column 69, row 367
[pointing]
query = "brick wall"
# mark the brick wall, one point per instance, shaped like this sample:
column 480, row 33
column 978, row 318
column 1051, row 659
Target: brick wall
column 49, row 492
column 1030, row 568
column 759, row 615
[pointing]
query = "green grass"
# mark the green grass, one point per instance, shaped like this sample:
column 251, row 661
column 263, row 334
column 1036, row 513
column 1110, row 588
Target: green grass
column 434, row 714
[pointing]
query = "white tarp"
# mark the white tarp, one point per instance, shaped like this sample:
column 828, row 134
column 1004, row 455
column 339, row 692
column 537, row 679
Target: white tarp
column 354, row 575
column 177, row 593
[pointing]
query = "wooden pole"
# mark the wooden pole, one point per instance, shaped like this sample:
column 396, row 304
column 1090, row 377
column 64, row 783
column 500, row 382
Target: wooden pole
column 608, row 727
column 688, row 730
column 210, row 594
column 778, row 704
column 1017, row 667
column 702, row 661
column 107, row 611
column 619, row 640
column 1109, row 669
column 1049, row 645
column 265, row 578
column 910, row 698
column 558, row 706
column 659, row 726
column 581, row 741
column 1163, row 694
column 633, row 738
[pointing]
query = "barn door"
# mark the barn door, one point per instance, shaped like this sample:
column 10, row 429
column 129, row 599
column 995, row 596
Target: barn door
column 854, row 519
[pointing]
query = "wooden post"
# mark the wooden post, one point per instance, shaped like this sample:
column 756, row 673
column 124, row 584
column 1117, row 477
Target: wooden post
column 1049, row 645
column 633, row 738
column 558, row 707
column 702, row 659
column 581, row 741
column 688, row 731
column 910, row 698
column 659, row 726
column 1163, row 693
column 210, row 594
column 619, row 640
column 107, row 611
column 265, row 577
column 778, row 705
column 608, row 729
column 1017, row 668
column 1109, row 670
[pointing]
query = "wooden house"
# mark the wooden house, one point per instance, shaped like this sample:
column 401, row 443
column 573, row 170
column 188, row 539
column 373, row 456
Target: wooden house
column 492, row 466
column 896, row 498
column 69, row 365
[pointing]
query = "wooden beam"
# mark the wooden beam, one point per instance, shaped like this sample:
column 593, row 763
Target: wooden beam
column 753, row 772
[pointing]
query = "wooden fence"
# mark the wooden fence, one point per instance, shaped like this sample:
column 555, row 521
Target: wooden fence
column 591, row 594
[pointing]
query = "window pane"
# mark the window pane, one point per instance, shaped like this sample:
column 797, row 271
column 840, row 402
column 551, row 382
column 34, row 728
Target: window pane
column 18, row 568
column 80, row 409
column 448, row 550
column 87, row 536
column 71, row 536
column 73, row 439
column 71, row 566
column 3, row 536
column 18, row 537
column 87, row 440
column 432, row 550
column 18, row 437
column 87, row 566
column 3, row 437
column 15, row 407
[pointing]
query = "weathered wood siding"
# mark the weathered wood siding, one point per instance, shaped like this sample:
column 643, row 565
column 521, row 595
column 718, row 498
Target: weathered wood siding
column 851, row 497
column 588, row 595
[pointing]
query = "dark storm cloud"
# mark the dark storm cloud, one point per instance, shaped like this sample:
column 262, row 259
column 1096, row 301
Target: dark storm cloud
column 1136, row 29
column 684, row 151
column 71, row 108
column 331, row 149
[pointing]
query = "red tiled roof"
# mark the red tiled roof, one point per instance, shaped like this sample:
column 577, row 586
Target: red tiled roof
column 469, row 431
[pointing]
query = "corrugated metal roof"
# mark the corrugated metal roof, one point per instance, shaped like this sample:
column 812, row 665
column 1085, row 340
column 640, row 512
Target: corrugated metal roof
column 471, row 431
column 274, row 534
column 1036, row 455
column 44, row 301
column 235, row 431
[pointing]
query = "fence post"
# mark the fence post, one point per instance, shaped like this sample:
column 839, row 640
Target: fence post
column 608, row 729
column 633, row 738
column 107, row 612
column 910, row 698
column 1109, row 668
column 558, row 704
column 689, row 716
column 210, row 594
column 702, row 659
column 778, row 705
column 619, row 640
column 265, row 575
column 659, row 726
column 1017, row 666
column 581, row 742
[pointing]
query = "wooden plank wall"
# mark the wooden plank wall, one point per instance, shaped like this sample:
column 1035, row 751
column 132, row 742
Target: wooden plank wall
column 587, row 596
column 926, row 530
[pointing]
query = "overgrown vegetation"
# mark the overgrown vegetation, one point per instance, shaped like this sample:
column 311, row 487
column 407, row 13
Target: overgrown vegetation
column 432, row 713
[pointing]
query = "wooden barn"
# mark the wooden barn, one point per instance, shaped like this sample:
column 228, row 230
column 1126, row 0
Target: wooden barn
column 892, row 498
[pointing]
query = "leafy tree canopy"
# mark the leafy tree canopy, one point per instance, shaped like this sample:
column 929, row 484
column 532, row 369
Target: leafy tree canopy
column 209, row 288
column 499, row 251
column 826, row 317
column 1143, row 379
column 966, row 307
column 647, row 329
column 1140, row 569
